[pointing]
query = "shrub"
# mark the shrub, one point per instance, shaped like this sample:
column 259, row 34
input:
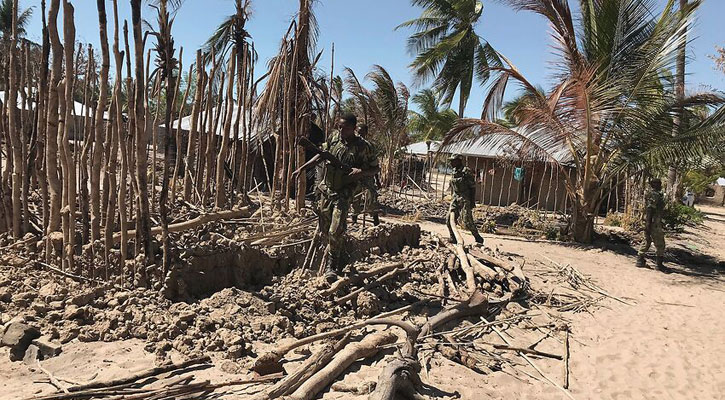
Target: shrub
column 614, row 219
column 630, row 221
column 676, row 216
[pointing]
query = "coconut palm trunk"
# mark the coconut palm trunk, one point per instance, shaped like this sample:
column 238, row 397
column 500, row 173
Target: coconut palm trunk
column 14, row 128
column 69, row 172
column 43, row 117
column 220, row 198
column 98, row 138
column 165, row 53
column 196, row 107
column 51, row 145
column 143, row 215
column 122, row 143
column 672, row 174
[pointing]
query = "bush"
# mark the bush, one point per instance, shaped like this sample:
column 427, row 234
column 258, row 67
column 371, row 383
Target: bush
column 676, row 216
column 613, row 219
column 628, row 221
column 488, row 226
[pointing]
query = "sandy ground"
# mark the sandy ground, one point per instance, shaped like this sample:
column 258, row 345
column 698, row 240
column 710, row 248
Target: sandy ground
column 667, row 345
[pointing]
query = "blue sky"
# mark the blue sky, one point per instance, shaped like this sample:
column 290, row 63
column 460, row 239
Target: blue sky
column 363, row 33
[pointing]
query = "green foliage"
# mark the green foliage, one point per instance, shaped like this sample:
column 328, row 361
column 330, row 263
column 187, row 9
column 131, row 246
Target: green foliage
column 677, row 215
column 529, row 220
column 610, row 109
column 447, row 48
column 432, row 122
column 6, row 19
column 699, row 180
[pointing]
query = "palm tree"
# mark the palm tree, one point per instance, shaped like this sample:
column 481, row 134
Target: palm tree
column 167, row 64
column 432, row 122
column 673, row 175
column 6, row 19
column 607, row 112
column 385, row 109
column 6, row 29
column 286, row 101
column 231, row 33
column 447, row 48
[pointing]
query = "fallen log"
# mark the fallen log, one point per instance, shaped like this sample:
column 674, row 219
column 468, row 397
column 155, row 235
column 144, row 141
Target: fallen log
column 485, row 272
column 269, row 363
column 192, row 223
column 495, row 261
column 368, row 347
column 476, row 304
column 399, row 377
column 293, row 381
column 350, row 280
column 462, row 256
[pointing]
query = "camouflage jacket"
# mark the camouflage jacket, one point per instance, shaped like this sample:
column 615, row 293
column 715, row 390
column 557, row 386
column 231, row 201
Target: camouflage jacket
column 356, row 153
column 463, row 184
column 655, row 203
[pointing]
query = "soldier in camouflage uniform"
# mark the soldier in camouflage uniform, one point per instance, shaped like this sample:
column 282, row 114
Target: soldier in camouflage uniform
column 337, row 188
column 653, row 232
column 366, row 198
column 464, row 192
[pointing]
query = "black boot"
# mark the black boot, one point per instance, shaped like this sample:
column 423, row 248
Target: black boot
column 376, row 219
column 330, row 273
column 354, row 219
column 661, row 266
column 641, row 263
column 478, row 237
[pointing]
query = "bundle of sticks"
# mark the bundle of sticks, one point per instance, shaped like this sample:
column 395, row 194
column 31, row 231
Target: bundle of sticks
column 167, row 382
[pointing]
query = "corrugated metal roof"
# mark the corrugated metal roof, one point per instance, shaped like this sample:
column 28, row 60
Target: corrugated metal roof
column 421, row 148
column 78, row 108
column 186, row 124
column 504, row 146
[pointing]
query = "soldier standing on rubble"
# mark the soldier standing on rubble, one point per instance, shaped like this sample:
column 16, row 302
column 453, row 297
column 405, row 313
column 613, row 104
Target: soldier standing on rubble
column 366, row 197
column 653, row 232
column 338, row 187
column 464, row 192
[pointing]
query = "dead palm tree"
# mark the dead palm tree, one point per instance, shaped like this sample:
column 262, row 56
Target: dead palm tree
column 166, row 67
column 286, row 101
column 607, row 111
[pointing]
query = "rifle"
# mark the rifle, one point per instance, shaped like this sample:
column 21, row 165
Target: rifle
column 325, row 155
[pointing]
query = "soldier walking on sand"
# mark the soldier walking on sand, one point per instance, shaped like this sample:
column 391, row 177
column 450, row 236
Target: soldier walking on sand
column 653, row 232
column 464, row 192
column 338, row 186
column 366, row 197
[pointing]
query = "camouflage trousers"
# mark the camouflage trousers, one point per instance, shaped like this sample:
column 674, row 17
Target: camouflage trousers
column 332, row 225
column 365, row 199
column 462, row 208
column 655, row 235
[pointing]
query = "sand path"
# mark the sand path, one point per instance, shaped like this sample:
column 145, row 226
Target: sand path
column 669, row 345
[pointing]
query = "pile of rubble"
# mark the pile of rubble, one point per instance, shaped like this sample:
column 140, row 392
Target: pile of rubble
column 394, row 204
column 398, row 276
